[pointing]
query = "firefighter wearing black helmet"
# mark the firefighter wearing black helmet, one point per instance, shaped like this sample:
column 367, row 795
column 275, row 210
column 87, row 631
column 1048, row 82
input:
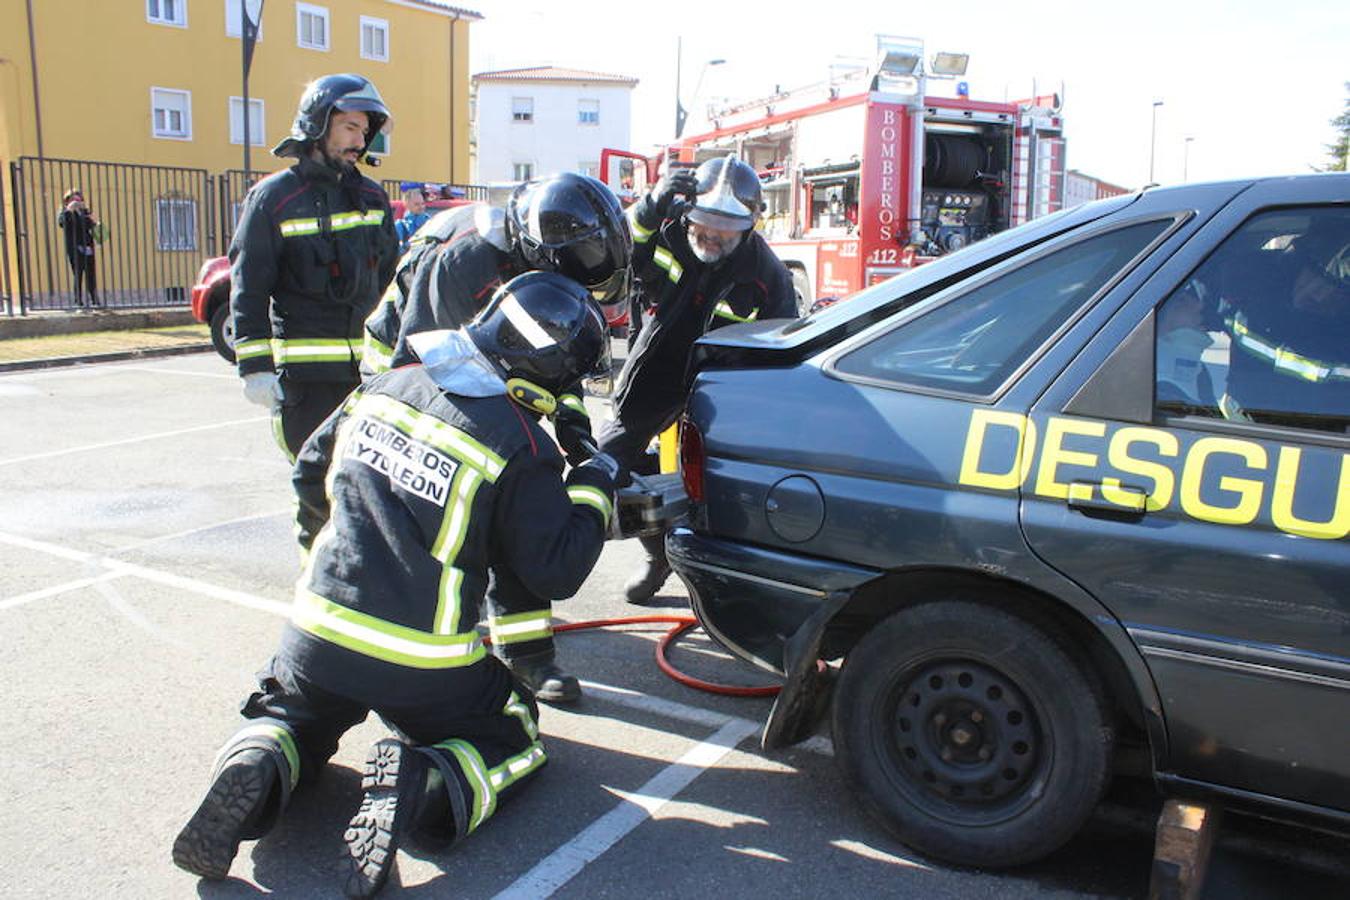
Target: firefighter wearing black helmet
column 570, row 224
column 697, row 264
column 428, row 478
column 313, row 250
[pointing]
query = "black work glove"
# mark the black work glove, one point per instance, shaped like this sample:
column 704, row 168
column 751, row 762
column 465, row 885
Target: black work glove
column 671, row 185
column 573, row 431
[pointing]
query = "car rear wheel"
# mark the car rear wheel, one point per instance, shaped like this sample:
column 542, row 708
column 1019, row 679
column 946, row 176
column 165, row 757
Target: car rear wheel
column 971, row 734
column 222, row 331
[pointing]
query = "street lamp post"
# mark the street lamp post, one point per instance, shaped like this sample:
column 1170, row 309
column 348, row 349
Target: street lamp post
column 250, row 15
column 1153, row 140
column 1186, row 157
column 680, row 113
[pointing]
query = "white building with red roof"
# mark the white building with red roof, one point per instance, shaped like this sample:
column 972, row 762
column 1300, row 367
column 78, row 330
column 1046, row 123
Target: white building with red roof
column 534, row 122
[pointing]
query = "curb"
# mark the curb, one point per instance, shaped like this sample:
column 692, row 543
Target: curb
column 140, row 353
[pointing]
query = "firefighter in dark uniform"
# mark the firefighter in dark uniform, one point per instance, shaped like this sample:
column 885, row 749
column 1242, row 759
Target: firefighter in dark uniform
column 427, row 478
column 1287, row 314
column 570, row 224
column 697, row 264
column 314, row 248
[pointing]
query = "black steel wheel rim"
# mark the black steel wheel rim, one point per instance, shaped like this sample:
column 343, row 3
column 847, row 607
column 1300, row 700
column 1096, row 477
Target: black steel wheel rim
column 964, row 742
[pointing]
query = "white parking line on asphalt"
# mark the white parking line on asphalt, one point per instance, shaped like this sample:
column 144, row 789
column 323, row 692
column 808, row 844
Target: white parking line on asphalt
column 179, row 535
column 119, row 568
column 54, row 590
column 135, row 440
column 563, row 864
column 567, row 861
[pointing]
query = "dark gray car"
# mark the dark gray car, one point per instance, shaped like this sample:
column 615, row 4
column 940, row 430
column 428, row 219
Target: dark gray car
column 1072, row 500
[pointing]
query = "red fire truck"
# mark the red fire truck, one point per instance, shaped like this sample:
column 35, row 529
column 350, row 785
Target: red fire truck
column 870, row 174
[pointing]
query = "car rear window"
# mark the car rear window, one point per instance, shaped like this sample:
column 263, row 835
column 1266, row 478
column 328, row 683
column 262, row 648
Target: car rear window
column 973, row 342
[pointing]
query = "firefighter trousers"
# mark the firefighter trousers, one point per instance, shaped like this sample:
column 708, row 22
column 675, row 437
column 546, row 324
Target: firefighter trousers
column 486, row 757
column 520, row 623
column 304, row 405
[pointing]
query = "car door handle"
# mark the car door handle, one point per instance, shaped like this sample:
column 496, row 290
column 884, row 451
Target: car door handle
column 1127, row 501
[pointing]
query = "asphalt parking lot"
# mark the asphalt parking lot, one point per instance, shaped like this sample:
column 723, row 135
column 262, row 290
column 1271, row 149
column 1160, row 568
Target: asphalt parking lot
column 146, row 561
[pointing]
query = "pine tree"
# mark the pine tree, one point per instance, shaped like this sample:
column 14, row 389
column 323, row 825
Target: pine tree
column 1341, row 148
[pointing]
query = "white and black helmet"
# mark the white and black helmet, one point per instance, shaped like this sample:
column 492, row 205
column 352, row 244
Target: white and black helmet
column 542, row 328
column 345, row 93
column 729, row 195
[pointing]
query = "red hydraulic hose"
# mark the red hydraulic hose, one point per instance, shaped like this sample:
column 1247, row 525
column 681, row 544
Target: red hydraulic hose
column 681, row 625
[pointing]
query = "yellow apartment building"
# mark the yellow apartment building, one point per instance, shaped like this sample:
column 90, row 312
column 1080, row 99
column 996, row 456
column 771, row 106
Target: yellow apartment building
column 143, row 98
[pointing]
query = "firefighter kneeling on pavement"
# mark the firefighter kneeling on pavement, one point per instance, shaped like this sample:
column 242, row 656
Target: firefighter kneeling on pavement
column 427, row 479
column 571, row 224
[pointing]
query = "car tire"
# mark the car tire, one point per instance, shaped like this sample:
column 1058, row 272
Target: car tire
column 801, row 288
column 971, row 734
column 222, row 331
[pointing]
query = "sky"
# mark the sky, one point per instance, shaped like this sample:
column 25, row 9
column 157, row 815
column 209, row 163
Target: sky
column 1253, row 83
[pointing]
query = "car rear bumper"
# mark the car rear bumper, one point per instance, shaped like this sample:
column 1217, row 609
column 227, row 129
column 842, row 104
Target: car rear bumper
column 752, row 600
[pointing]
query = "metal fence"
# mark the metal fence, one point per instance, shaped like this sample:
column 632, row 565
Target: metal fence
column 6, row 293
column 156, row 227
column 478, row 192
column 158, row 224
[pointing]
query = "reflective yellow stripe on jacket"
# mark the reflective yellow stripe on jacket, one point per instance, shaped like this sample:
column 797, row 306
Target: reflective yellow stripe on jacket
column 445, row 646
column 340, row 222
column 1282, row 358
column 288, row 351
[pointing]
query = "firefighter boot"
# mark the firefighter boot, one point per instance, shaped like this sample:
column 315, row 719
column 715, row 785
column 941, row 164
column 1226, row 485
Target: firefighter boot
column 404, row 796
column 540, row 673
column 653, row 574
column 238, row 806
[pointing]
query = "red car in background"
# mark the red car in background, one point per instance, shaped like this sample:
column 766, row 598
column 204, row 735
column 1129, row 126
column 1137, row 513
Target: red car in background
column 211, row 293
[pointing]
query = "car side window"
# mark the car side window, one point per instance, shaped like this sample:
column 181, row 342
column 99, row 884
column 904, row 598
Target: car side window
column 975, row 341
column 1260, row 332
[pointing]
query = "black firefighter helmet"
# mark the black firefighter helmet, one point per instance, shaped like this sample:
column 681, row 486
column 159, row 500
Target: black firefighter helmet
column 543, row 333
column 574, row 225
column 345, row 93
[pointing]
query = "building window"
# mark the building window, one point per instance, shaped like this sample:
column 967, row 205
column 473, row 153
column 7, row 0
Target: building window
column 232, row 22
column 379, row 145
column 522, row 109
column 175, row 224
column 588, row 112
column 311, row 26
column 171, row 113
column 167, row 12
column 255, row 121
column 374, row 39
column 522, row 171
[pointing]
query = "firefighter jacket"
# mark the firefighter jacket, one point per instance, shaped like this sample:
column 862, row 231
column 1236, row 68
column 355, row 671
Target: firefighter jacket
column 320, row 248
column 679, row 298
column 455, row 264
column 408, row 496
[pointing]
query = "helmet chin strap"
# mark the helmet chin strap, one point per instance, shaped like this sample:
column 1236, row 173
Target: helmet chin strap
column 531, row 396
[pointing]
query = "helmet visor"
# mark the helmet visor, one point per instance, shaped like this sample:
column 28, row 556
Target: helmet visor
column 367, row 100
column 611, row 295
column 722, row 221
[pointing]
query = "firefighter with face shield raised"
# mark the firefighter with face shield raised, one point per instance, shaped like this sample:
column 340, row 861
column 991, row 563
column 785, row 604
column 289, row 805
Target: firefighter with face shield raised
column 570, row 224
column 698, row 264
column 427, row 479
column 314, row 249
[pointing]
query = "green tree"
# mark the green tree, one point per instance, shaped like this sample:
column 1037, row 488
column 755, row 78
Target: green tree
column 1339, row 150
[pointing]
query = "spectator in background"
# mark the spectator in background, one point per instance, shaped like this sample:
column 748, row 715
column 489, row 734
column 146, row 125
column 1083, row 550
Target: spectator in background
column 80, row 229
column 415, row 214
